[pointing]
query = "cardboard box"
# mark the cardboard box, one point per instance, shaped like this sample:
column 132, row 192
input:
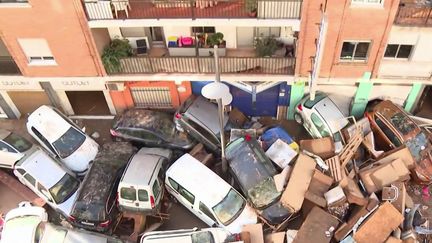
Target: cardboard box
column 317, row 227
column 320, row 183
column 353, row 193
column 275, row 238
column 376, row 177
column 398, row 153
column 335, row 196
column 379, row 225
column 255, row 231
column 323, row 147
column 301, row 176
column 281, row 153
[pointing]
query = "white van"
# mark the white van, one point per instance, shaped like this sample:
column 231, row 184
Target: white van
column 207, row 195
column 141, row 186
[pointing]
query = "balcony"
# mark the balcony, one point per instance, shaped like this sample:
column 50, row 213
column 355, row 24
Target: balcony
column 414, row 14
column 8, row 66
column 192, row 9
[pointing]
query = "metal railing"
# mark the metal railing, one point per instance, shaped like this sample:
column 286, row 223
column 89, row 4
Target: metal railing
column 8, row 66
column 414, row 14
column 162, row 9
column 253, row 65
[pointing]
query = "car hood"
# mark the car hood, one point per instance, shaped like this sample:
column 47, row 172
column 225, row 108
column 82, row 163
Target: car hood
column 247, row 216
column 66, row 206
column 79, row 160
column 275, row 213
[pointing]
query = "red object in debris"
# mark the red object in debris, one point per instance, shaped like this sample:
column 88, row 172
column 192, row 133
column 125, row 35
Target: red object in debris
column 105, row 224
column 71, row 218
column 113, row 132
column 178, row 115
column 152, row 201
column 425, row 193
column 248, row 137
column 300, row 107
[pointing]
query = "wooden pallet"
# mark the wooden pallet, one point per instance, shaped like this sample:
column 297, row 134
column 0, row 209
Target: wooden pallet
column 335, row 168
column 351, row 148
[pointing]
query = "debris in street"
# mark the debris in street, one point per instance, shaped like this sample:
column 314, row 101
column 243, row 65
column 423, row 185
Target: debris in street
column 319, row 226
column 323, row 147
column 281, row 153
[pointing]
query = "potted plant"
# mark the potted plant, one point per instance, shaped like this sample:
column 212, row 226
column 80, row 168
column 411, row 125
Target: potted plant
column 212, row 40
column 265, row 46
column 216, row 39
column 117, row 49
column 251, row 8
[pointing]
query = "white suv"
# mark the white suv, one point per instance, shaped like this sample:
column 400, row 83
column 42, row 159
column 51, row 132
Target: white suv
column 63, row 138
column 45, row 177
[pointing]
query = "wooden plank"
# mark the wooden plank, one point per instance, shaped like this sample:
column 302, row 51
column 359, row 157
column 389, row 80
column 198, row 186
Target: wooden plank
column 335, row 168
column 379, row 225
column 320, row 183
column 316, row 227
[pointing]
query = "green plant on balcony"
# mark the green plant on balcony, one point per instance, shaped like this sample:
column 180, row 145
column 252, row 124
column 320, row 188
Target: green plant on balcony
column 265, row 46
column 117, row 49
column 251, row 7
column 216, row 39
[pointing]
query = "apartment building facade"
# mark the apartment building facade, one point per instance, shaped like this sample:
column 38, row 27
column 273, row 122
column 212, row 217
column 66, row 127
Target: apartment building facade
column 268, row 53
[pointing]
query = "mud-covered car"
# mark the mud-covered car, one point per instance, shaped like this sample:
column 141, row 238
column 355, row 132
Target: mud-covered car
column 392, row 128
column 253, row 172
column 151, row 129
column 95, row 206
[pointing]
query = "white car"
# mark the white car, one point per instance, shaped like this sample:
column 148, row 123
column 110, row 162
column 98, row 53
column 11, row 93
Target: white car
column 320, row 117
column 45, row 177
column 12, row 148
column 30, row 224
column 63, row 138
column 207, row 195
column 209, row 235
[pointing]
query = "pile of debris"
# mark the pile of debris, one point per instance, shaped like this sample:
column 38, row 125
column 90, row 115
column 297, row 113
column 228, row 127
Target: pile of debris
column 358, row 194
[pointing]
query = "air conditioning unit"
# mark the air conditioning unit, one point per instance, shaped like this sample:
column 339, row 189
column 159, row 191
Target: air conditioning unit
column 115, row 86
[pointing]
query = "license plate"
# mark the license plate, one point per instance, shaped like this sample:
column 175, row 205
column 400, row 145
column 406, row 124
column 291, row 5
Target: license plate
column 86, row 223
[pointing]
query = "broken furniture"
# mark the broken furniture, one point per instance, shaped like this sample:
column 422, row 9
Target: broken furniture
column 319, row 226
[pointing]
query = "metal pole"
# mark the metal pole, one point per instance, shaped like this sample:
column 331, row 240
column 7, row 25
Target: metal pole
column 221, row 112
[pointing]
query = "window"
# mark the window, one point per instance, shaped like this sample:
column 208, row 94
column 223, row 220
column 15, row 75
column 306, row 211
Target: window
column 143, row 195
column 128, row 194
column 43, row 139
column 367, row 1
column 64, row 188
column 398, row 51
column 267, row 31
column 30, row 179
column 69, row 142
column 17, row 142
column 203, row 132
column 37, row 51
column 203, row 30
column 156, row 188
column 354, row 51
column 139, row 134
column 319, row 124
column 13, row 1
column 21, row 171
column 5, row 147
column 203, row 208
column 187, row 195
column 388, row 132
column 174, row 184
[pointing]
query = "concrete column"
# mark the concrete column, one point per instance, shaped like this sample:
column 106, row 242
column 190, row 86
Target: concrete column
column 362, row 96
column 413, row 97
column 297, row 93
column 109, row 102
column 8, row 106
column 64, row 102
column 52, row 95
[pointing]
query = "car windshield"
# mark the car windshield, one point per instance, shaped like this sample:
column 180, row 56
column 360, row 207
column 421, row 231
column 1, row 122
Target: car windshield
column 18, row 142
column 310, row 103
column 89, row 211
column 230, row 207
column 263, row 193
column 417, row 144
column 403, row 123
column 202, row 237
column 64, row 188
column 69, row 142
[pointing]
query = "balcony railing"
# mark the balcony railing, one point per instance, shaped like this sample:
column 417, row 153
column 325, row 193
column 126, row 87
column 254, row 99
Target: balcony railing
column 8, row 66
column 252, row 65
column 414, row 14
column 162, row 9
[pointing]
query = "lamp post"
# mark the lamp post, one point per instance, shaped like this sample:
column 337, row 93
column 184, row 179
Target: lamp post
column 219, row 92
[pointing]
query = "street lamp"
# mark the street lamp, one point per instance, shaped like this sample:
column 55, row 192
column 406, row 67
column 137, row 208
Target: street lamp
column 219, row 92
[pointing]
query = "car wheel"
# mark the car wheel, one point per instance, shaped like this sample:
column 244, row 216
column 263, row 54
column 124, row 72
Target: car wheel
column 298, row 118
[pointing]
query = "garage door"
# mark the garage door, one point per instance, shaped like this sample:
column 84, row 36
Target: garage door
column 151, row 97
column 28, row 101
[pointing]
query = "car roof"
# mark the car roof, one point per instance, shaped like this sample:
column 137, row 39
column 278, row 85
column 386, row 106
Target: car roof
column 205, row 183
column 4, row 133
column 331, row 114
column 205, row 113
column 97, row 184
column 20, row 229
column 44, row 119
column 246, row 163
column 141, row 168
column 43, row 168
column 141, row 118
column 54, row 233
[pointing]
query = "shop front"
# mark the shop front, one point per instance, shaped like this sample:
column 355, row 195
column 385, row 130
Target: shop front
column 84, row 97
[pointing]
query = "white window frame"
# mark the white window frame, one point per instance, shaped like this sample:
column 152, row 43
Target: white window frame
column 366, row 3
column 397, row 52
column 41, row 56
column 355, row 48
column 16, row 4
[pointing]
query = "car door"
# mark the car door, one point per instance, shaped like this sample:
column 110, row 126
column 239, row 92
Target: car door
column 182, row 195
column 206, row 215
column 8, row 155
column 319, row 126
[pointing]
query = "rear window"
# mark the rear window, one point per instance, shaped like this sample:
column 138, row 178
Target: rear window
column 202, row 237
column 18, row 142
column 310, row 103
column 69, row 142
column 143, row 195
column 90, row 212
column 128, row 193
column 403, row 123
